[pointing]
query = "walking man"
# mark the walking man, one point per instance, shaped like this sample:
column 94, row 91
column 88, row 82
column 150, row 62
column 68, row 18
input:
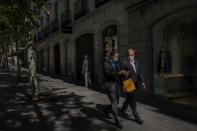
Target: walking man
column 112, row 83
column 85, row 71
column 133, row 68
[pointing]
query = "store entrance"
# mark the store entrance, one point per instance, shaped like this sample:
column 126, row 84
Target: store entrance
column 181, row 62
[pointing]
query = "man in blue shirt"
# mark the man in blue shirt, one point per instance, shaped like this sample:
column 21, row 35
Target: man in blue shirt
column 112, row 85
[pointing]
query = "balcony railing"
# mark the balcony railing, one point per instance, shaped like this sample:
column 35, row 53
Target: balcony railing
column 65, row 18
column 65, row 21
column 80, row 8
column 46, row 30
column 40, row 35
column 54, row 25
column 98, row 3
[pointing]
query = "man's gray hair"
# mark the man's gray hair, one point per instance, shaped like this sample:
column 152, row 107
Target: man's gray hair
column 131, row 49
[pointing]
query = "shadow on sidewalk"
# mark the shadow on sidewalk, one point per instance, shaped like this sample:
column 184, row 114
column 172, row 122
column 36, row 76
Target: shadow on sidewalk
column 182, row 112
column 56, row 112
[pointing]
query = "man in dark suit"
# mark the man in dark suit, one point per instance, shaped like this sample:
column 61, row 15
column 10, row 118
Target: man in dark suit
column 134, row 72
column 112, row 83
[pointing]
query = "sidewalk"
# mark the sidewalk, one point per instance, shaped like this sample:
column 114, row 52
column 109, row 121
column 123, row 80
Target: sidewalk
column 67, row 107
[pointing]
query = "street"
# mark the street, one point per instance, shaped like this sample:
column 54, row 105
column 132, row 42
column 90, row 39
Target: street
column 68, row 107
column 62, row 63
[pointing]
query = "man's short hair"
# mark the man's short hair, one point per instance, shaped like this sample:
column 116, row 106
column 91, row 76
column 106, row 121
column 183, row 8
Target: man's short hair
column 131, row 49
column 113, row 53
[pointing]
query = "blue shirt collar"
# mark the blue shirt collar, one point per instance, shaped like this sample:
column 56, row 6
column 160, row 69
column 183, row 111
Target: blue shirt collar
column 111, row 61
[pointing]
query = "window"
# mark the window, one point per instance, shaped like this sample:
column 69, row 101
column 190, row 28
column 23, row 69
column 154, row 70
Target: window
column 110, row 40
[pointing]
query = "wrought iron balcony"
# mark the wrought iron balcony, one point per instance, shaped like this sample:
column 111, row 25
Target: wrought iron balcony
column 54, row 25
column 98, row 3
column 65, row 18
column 65, row 21
column 46, row 30
column 80, row 8
column 40, row 35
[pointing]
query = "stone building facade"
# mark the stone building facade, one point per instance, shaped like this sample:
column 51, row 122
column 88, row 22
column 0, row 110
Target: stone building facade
column 161, row 31
column 168, row 25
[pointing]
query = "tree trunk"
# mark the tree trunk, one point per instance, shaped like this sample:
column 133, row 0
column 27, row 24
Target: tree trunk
column 18, row 68
column 32, row 69
column 7, row 62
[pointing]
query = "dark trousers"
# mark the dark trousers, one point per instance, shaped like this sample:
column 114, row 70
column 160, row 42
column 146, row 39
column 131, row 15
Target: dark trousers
column 114, row 99
column 130, row 100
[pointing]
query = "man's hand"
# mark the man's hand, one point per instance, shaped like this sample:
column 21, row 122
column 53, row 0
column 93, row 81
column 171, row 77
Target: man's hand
column 143, row 86
column 120, row 72
column 126, row 73
column 123, row 72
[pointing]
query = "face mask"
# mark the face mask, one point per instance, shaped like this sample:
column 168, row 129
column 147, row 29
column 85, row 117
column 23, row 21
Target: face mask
column 131, row 57
column 115, row 59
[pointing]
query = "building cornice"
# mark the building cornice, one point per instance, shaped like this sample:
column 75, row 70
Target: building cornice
column 140, row 5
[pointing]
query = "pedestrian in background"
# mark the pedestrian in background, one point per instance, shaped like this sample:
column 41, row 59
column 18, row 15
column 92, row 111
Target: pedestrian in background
column 86, row 71
column 20, row 63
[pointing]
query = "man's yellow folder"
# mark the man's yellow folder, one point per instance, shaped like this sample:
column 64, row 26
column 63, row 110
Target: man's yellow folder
column 128, row 85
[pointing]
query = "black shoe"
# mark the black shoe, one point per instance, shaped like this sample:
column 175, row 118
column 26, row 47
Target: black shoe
column 138, row 120
column 119, row 125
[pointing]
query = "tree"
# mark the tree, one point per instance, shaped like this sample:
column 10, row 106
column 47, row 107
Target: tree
column 11, row 19
column 21, row 17
column 34, row 9
column 4, row 40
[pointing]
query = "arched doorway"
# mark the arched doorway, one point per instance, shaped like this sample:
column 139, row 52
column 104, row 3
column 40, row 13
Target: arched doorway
column 57, row 58
column 174, row 62
column 110, row 40
column 84, row 46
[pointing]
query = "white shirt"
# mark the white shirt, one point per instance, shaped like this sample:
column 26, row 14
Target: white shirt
column 133, row 64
